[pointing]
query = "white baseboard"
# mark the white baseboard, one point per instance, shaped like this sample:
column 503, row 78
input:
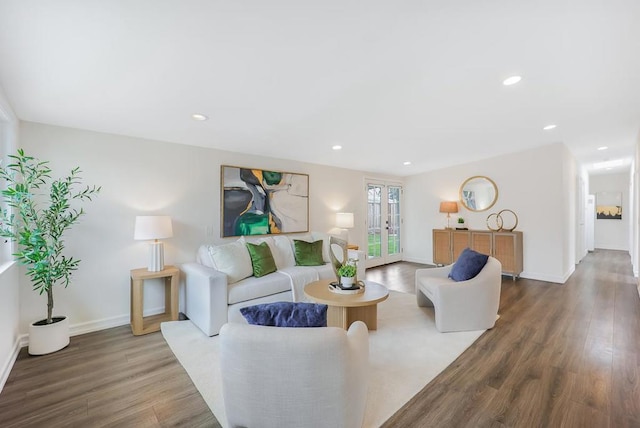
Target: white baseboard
column 416, row 260
column 8, row 365
column 105, row 323
column 610, row 246
column 548, row 278
column 97, row 325
column 102, row 324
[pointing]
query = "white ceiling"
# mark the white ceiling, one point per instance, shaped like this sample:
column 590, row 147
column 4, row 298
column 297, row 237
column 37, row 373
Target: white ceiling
column 388, row 80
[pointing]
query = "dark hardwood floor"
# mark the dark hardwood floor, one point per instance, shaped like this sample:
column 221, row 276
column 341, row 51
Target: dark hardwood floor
column 108, row 378
column 559, row 356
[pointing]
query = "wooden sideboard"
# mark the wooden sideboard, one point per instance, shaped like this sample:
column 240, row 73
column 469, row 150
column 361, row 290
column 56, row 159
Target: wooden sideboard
column 504, row 246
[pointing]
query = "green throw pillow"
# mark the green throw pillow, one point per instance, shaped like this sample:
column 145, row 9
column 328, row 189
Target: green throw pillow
column 261, row 259
column 308, row 253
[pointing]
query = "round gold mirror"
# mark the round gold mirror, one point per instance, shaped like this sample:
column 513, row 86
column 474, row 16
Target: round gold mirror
column 478, row 193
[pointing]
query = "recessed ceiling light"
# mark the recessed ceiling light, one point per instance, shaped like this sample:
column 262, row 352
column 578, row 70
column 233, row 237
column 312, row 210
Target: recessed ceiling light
column 198, row 116
column 337, row 147
column 406, row 163
column 609, row 164
column 548, row 127
column 511, row 80
column 603, row 148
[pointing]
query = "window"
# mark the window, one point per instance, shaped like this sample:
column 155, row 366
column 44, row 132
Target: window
column 6, row 247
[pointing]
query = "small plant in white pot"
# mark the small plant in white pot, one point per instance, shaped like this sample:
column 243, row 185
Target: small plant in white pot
column 347, row 273
column 38, row 211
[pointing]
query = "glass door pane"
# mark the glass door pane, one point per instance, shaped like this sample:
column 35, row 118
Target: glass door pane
column 384, row 220
column 374, row 221
column 394, row 220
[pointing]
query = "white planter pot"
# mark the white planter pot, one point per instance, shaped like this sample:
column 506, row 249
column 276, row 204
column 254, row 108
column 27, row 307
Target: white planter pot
column 347, row 281
column 48, row 338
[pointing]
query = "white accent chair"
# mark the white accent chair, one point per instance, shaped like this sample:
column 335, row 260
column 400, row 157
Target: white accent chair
column 463, row 305
column 294, row 377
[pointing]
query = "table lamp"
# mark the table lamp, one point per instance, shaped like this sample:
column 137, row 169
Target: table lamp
column 448, row 207
column 154, row 228
column 344, row 221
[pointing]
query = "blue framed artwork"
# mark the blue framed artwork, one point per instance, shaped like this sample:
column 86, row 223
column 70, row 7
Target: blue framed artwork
column 263, row 202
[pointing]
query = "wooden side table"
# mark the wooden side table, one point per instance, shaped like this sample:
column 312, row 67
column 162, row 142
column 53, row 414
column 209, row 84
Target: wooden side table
column 141, row 324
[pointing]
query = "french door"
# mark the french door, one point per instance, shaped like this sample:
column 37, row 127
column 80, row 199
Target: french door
column 384, row 223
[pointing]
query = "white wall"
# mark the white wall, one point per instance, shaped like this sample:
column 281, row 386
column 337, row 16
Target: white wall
column 612, row 234
column 538, row 184
column 582, row 191
column 635, row 220
column 570, row 213
column 9, row 284
column 141, row 176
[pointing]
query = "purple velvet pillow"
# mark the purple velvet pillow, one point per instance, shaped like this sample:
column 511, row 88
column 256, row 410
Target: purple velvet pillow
column 286, row 314
column 468, row 265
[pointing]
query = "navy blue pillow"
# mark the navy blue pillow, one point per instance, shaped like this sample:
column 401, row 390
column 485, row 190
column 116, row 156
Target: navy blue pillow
column 468, row 265
column 286, row 314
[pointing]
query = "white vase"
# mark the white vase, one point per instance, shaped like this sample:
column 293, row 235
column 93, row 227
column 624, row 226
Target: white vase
column 346, row 281
column 48, row 338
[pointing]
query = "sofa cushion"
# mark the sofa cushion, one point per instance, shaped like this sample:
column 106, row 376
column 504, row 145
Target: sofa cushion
column 232, row 259
column 308, row 253
column 326, row 243
column 203, row 256
column 261, row 259
column 253, row 288
column 286, row 314
column 325, row 272
column 283, row 253
column 429, row 284
column 468, row 265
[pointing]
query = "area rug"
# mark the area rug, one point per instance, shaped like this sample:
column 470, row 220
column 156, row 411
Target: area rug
column 406, row 353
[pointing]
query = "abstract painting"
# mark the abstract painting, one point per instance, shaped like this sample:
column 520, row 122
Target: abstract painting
column 263, row 202
column 609, row 205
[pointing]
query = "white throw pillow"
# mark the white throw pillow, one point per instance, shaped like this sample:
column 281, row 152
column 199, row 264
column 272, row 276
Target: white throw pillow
column 275, row 251
column 325, row 244
column 204, row 256
column 284, row 257
column 233, row 260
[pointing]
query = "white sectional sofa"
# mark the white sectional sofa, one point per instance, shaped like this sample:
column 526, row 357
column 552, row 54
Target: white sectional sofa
column 221, row 280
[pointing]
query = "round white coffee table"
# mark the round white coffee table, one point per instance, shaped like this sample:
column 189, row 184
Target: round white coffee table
column 344, row 309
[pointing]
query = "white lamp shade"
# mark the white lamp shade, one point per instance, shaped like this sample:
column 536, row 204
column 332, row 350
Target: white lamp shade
column 344, row 220
column 153, row 227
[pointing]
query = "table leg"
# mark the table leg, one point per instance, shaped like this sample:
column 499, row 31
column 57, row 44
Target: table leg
column 343, row 317
column 337, row 317
column 137, row 297
column 366, row 314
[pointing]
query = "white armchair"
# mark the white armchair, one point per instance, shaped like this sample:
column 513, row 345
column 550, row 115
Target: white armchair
column 294, row 377
column 463, row 305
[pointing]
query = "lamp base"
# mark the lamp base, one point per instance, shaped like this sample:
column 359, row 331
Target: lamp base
column 156, row 257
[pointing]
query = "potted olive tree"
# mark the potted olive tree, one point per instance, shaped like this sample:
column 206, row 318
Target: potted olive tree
column 38, row 211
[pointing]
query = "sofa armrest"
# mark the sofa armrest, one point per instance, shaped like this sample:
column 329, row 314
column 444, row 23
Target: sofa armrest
column 438, row 272
column 206, row 297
